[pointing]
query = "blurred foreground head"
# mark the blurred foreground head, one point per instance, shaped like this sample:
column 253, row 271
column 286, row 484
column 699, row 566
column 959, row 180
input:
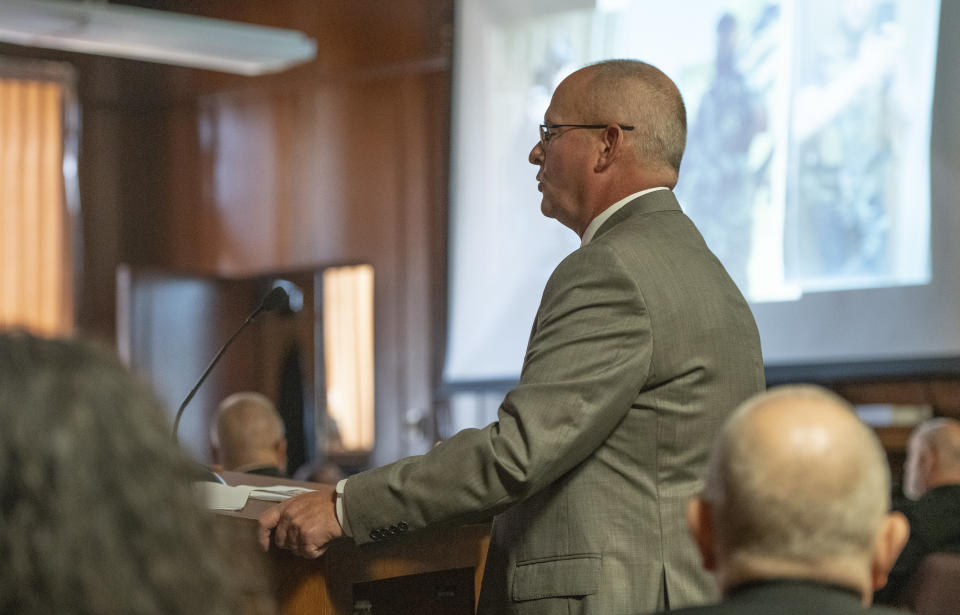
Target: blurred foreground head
column 97, row 513
column 798, row 487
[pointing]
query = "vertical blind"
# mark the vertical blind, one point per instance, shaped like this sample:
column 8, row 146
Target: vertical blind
column 36, row 271
column 348, row 351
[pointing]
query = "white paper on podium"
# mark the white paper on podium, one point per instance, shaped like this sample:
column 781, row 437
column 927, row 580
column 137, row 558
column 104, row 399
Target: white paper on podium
column 277, row 493
column 215, row 496
column 222, row 497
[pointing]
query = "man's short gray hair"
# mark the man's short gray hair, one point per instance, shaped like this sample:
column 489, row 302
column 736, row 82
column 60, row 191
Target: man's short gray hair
column 640, row 94
column 247, row 424
column 939, row 435
column 781, row 505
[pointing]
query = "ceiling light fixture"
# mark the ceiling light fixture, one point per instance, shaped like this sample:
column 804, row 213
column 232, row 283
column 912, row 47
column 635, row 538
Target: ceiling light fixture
column 153, row 36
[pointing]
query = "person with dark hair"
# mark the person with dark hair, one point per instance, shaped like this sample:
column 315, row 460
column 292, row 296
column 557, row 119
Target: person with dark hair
column 97, row 512
column 640, row 348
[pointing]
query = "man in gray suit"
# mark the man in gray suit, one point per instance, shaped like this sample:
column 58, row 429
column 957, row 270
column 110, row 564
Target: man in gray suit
column 640, row 348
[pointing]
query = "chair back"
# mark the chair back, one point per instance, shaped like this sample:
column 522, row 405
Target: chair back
column 934, row 589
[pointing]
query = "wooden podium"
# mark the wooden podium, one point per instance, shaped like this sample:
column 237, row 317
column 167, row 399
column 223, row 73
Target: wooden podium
column 435, row 572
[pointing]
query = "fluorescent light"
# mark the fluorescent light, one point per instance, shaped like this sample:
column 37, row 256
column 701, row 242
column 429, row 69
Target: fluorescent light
column 153, row 36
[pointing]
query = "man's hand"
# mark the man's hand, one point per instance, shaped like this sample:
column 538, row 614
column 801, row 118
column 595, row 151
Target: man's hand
column 304, row 524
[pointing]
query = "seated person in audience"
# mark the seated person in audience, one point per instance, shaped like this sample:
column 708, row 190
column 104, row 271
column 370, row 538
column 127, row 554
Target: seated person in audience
column 97, row 511
column 325, row 472
column 932, row 482
column 250, row 437
column 793, row 518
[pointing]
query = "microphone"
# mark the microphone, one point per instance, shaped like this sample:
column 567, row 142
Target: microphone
column 276, row 299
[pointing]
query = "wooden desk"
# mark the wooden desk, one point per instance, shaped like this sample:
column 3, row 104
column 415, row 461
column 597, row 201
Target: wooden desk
column 327, row 585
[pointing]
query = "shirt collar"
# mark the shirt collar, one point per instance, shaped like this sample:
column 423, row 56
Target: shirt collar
column 609, row 211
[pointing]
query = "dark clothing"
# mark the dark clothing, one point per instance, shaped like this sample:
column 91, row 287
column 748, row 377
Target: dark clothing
column 789, row 597
column 934, row 526
column 272, row 471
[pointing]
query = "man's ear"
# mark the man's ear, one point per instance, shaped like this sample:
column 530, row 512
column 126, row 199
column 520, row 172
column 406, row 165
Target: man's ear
column 889, row 541
column 611, row 146
column 700, row 523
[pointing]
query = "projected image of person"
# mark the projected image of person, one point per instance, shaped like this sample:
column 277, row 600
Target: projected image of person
column 720, row 183
column 640, row 348
column 845, row 146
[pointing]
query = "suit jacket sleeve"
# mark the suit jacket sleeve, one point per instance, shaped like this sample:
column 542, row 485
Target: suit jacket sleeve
column 588, row 354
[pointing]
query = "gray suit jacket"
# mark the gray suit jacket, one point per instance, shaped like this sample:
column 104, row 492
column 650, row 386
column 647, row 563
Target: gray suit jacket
column 640, row 348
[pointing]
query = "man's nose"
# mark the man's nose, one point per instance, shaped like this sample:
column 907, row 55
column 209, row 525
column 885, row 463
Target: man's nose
column 536, row 154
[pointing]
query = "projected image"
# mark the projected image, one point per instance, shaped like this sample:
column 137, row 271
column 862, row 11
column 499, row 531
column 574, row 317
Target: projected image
column 726, row 175
column 807, row 162
column 854, row 112
column 803, row 144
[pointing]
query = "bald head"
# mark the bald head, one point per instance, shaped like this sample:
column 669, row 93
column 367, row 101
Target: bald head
column 798, row 486
column 250, row 432
column 799, row 476
column 933, row 456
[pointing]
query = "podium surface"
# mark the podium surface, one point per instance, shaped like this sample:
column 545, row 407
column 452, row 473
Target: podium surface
column 435, row 571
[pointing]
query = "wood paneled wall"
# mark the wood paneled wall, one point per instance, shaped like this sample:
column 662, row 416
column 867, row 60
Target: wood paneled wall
column 340, row 160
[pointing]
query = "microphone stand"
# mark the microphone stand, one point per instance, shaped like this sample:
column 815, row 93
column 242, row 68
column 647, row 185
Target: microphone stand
column 274, row 300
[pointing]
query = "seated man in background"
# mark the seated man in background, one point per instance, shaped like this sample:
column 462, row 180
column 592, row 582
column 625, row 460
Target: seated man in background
column 793, row 517
column 97, row 511
column 932, row 481
column 326, row 472
column 250, row 436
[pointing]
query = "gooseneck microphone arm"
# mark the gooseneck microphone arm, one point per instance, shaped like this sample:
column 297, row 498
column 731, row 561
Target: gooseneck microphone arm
column 274, row 300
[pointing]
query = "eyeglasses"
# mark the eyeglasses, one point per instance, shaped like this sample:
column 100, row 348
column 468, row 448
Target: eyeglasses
column 546, row 135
